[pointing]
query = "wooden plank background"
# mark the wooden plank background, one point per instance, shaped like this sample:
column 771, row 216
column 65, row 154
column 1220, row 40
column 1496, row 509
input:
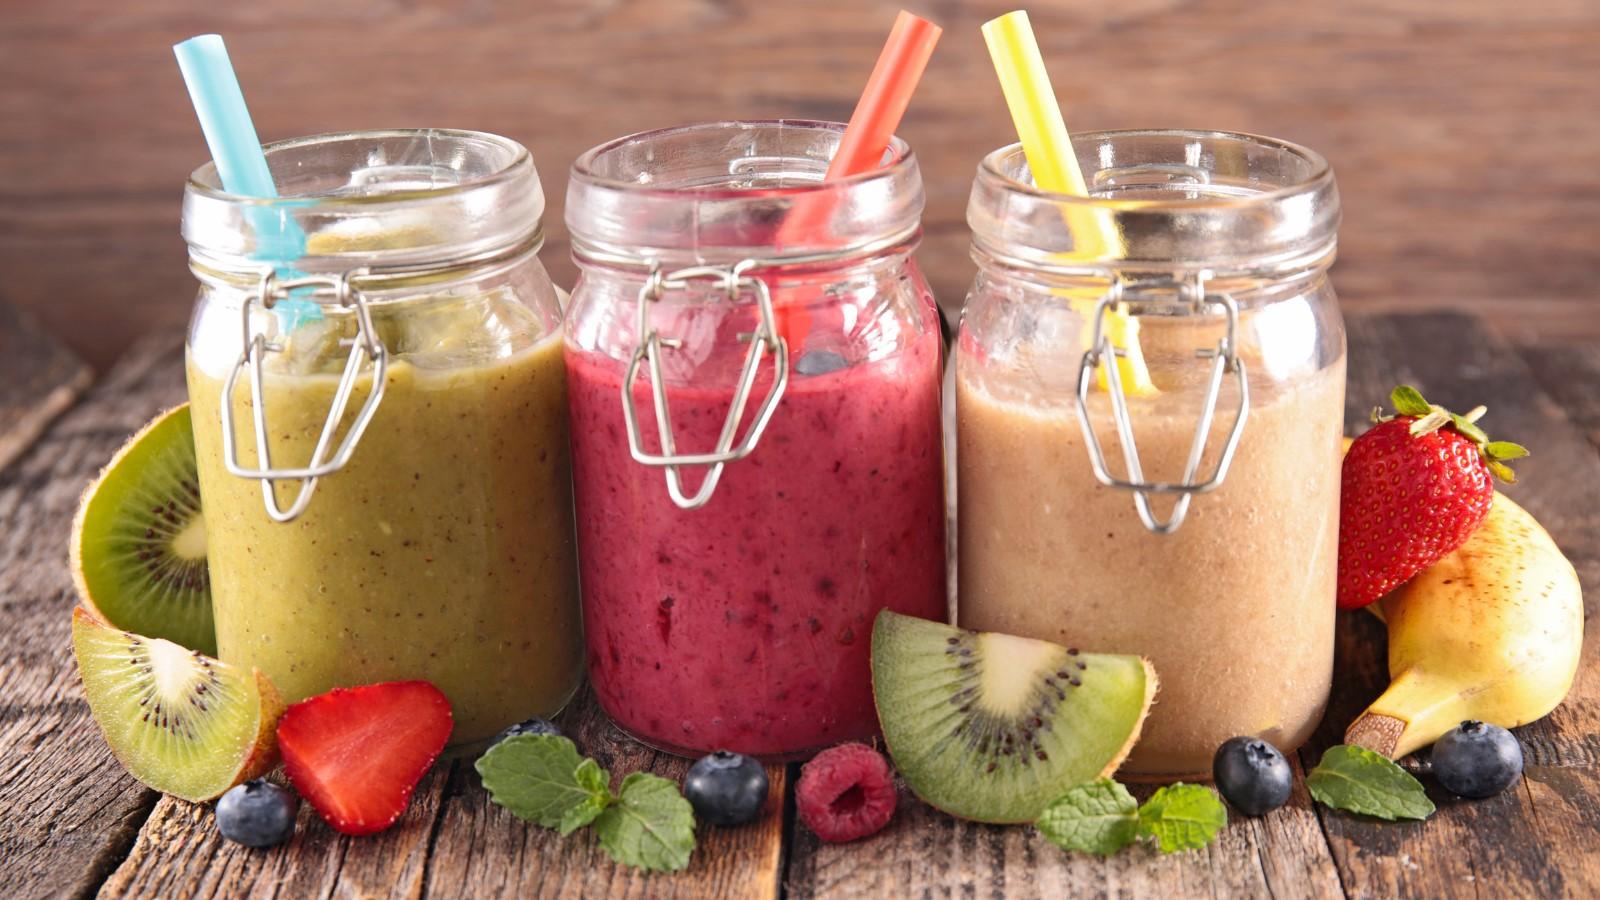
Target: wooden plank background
column 1464, row 132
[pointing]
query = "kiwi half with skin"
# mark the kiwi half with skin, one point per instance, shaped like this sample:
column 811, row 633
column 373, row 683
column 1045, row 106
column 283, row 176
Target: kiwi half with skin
column 994, row 728
column 179, row 721
column 139, row 541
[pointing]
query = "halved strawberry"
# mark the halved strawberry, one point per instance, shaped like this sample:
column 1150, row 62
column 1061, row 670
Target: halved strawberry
column 356, row 754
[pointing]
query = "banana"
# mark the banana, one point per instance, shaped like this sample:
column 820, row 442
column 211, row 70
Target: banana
column 1491, row 632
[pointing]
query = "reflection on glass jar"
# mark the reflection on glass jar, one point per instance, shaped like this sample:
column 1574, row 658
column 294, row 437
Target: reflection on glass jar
column 729, row 597
column 1087, row 515
column 441, row 548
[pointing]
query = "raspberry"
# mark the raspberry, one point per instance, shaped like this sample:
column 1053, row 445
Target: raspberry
column 845, row 793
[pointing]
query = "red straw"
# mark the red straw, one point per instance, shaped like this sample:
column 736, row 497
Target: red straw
column 878, row 113
column 883, row 103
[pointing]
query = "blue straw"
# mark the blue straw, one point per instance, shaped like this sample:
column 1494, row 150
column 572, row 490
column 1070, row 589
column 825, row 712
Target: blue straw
column 241, row 164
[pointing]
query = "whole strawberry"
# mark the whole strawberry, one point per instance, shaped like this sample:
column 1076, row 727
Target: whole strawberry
column 1414, row 488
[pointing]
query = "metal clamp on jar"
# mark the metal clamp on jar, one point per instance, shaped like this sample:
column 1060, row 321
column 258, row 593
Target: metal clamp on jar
column 1172, row 339
column 732, row 607
column 380, row 424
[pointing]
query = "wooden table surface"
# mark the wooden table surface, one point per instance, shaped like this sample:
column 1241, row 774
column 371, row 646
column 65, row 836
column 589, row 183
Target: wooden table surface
column 1464, row 132
column 72, row 823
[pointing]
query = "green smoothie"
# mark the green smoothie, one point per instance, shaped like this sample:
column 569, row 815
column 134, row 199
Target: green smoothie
column 443, row 551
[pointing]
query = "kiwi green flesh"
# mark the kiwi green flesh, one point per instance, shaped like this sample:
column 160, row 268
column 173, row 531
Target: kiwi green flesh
column 993, row 728
column 139, row 546
column 180, row 722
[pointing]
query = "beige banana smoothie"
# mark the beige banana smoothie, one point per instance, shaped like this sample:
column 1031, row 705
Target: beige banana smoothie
column 1235, row 609
column 464, row 575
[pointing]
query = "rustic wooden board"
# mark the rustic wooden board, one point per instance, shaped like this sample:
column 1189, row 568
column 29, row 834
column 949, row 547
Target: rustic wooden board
column 69, row 811
column 482, row 850
column 1461, row 130
column 74, row 823
column 39, row 379
column 453, row 842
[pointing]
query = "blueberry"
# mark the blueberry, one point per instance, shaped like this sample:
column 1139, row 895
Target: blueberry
column 819, row 362
column 1252, row 775
column 726, row 788
column 534, row 725
column 257, row 813
column 1477, row 760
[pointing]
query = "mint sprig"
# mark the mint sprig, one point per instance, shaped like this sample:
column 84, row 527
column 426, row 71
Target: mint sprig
column 542, row 779
column 1102, row 817
column 1182, row 817
column 535, row 777
column 1358, row 780
column 649, row 825
column 1096, row 817
column 597, row 782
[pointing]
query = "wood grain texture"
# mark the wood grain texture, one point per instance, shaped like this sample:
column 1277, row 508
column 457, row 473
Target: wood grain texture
column 1462, row 130
column 484, row 851
column 69, row 810
column 39, row 379
column 179, row 853
column 452, row 842
column 925, row 853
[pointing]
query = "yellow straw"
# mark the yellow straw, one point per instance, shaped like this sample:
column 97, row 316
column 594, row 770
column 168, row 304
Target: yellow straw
column 1054, row 164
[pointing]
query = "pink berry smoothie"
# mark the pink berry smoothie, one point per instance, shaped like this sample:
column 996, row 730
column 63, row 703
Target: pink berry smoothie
column 745, row 624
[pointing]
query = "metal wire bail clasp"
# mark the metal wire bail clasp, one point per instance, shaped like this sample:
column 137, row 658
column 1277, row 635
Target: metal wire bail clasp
column 367, row 345
column 766, row 339
column 1224, row 358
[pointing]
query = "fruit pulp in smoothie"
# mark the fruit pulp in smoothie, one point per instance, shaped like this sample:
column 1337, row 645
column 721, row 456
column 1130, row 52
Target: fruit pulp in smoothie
column 1235, row 609
column 443, row 551
column 745, row 624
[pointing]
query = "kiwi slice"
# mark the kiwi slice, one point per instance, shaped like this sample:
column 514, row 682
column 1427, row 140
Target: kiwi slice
column 179, row 721
column 139, row 541
column 992, row 727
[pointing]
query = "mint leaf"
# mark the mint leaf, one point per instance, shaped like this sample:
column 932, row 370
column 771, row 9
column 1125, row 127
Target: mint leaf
column 1361, row 781
column 535, row 777
column 650, row 826
column 593, row 779
column 1407, row 401
column 1095, row 817
column 1182, row 817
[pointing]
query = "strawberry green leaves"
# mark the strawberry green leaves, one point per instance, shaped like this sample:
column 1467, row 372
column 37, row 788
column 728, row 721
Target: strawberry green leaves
column 1429, row 417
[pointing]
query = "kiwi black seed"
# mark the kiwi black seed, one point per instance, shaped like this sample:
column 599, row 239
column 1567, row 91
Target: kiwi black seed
column 178, row 720
column 138, row 545
column 993, row 727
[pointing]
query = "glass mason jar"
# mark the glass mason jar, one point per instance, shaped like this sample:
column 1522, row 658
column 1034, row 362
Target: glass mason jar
column 1150, row 398
column 422, row 529
column 754, row 365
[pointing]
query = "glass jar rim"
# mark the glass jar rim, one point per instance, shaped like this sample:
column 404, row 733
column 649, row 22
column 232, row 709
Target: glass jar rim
column 205, row 181
column 1162, row 200
column 386, row 198
column 1321, row 171
column 715, row 193
column 901, row 158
